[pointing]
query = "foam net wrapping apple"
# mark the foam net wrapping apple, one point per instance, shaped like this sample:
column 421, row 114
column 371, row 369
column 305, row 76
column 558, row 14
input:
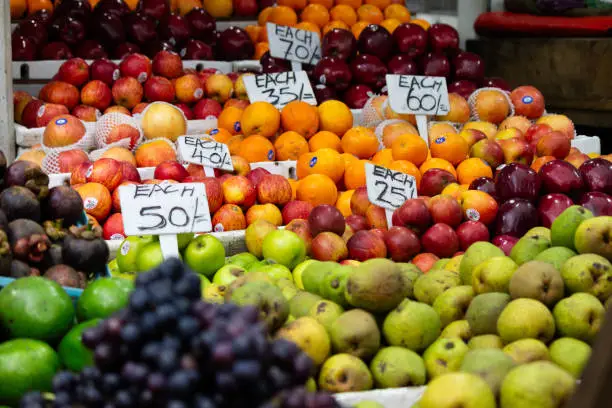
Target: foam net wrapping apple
column 117, row 130
column 162, row 120
column 379, row 130
column 487, row 104
column 86, row 142
column 550, row 113
column 432, row 123
column 371, row 116
column 50, row 163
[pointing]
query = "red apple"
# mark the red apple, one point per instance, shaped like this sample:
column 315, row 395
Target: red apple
column 236, row 44
column 75, row 71
column 425, row 261
column 559, row 176
column 445, row 209
column 296, row 209
column 402, row 244
column 517, row 180
column 360, row 201
column 61, row 93
column 129, row 172
column 206, row 108
column 467, row 65
column 185, row 109
column 239, row 190
column 369, row 70
column 470, row 232
column 505, row 243
column 302, row 229
column 106, row 172
column 413, row 214
column 86, row 113
column 326, row 218
column 246, row 8
column 105, row 71
column 256, row 175
column 339, row 43
column 167, row 64
column 97, row 94
column 333, row 72
column 49, row 111
column 597, row 175
column 528, row 101
column 159, row 89
column 328, row 246
column 170, row 170
column 68, row 160
column 202, row 25
column 127, row 92
column 357, row 96
column 442, row 37
column 441, row 240
column 273, row 189
column 434, row 181
column 550, row 206
column 535, row 132
column 436, row 64
column 364, row 245
column 401, row 64
column 375, row 40
column 357, row 222
column 136, row 66
column 410, row 40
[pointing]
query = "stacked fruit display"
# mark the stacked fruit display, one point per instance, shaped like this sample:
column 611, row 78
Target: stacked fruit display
column 111, row 28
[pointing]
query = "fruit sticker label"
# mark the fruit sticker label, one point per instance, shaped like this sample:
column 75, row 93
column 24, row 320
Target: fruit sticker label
column 280, row 88
column 418, row 95
column 293, row 44
column 205, row 152
column 387, row 188
column 156, row 209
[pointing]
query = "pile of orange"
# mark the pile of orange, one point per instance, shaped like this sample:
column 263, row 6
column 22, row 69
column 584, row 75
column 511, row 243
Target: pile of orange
column 321, row 16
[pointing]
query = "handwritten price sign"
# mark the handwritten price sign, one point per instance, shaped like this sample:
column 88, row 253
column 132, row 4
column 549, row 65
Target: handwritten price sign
column 205, row 152
column 156, row 209
column 388, row 188
column 293, row 44
column 280, row 88
column 418, row 95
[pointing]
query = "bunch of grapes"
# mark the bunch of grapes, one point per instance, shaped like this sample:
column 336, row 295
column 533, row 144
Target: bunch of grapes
column 170, row 349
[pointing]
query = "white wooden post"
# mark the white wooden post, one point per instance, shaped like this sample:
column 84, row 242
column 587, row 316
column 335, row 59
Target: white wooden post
column 7, row 132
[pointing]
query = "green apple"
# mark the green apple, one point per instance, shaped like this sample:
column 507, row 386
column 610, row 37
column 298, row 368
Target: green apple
column 255, row 234
column 243, row 259
column 205, row 255
column 149, row 256
column 227, row 274
column 477, row 253
column 571, row 354
column 444, row 356
column 579, row 316
column 297, row 273
column 284, row 247
column 184, row 239
column 128, row 252
column 276, row 272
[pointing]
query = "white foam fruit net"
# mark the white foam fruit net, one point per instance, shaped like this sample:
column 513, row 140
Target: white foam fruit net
column 108, row 122
column 378, row 131
column 86, row 143
column 50, row 163
column 371, row 117
column 472, row 101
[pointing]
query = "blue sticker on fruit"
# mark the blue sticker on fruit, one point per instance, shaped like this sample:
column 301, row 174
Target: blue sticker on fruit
column 313, row 161
column 237, row 127
column 527, row 99
column 61, row 121
column 214, row 132
column 440, row 140
column 270, row 154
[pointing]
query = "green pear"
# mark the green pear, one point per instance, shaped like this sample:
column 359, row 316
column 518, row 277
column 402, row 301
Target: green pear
column 411, row 273
column 302, row 302
column 299, row 270
column 440, row 263
column 589, row 273
column 458, row 328
column 356, row 333
column 394, row 367
column 254, row 236
column 524, row 319
column 537, row 280
column 570, row 354
column 452, row 304
column 444, row 356
column 539, row 231
column 608, row 302
column 227, row 274
column 345, row 373
column 594, row 236
column 484, row 310
column 368, row 404
column 325, row 312
column 492, row 365
column 563, row 228
column 556, row 256
column 276, row 272
column 129, row 249
column 486, row 341
column 243, row 280
column 269, row 299
column 458, row 390
column 243, row 259
column 412, row 325
column 525, row 351
column 579, row 316
column 334, row 283
column 429, row 286
column 477, row 253
column 377, row 285
column 288, row 288
column 539, row 384
column 213, row 294
column 528, row 247
column 315, row 273
column 493, row 275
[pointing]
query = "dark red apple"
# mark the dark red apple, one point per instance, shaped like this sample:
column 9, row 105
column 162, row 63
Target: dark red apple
column 68, row 29
column 140, row 28
column 357, row 96
column 91, row 49
column 116, row 7
column 245, row 8
column 440, row 240
column 597, row 175
column 402, row 244
column 326, row 218
column 599, row 203
column 324, row 93
column 104, row 70
column 109, row 30
column 550, row 206
column 339, row 43
column 234, row 44
column 333, row 72
column 197, row 50
column 435, row 64
column 468, row 65
column 357, row 222
column 34, row 30
column 410, row 40
column 206, row 108
column 434, row 181
column 79, row 9
column 485, row 184
column 155, row 47
column 470, row 232
column 256, row 175
column 401, row 64
column 515, row 217
column 375, row 40
column 442, row 37
column 413, row 214
column 270, row 64
column 505, row 243
column 368, row 70
column 559, row 176
column 156, row 9
column 175, row 30
column 43, row 16
column 364, row 245
column 201, row 25
column 462, row 87
column 57, row 50
column 517, row 180
column 125, row 49
column 495, row 82
column 22, row 48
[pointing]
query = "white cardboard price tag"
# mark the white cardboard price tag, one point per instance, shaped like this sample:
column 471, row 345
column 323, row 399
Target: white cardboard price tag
column 158, row 209
column 280, row 88
column 205, row 151
column 389, row 189
column 294, row 44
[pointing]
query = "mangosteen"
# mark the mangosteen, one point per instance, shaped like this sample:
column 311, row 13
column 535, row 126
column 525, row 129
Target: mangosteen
column 5, row 255
column 54, row 230
column 64, row 275
column 20, row 269
column 19, row 202
column 63, row 203
column 84, row 249
column 54, row 256
column 28, row 240
column 29, row 175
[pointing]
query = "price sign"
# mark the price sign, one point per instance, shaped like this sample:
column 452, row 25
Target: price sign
column 293, row 44
column 388, row 189
column 156, row 209
column 205, row 152
column 280, row 88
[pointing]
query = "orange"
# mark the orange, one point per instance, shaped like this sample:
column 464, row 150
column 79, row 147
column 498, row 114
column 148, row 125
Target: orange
column 315, row 13
column 323, row 161
column 540, row 161
column 383, row 157
column 398, row 12
column 343, row 13
column 358, row 27
column 344, row 202
column 300, row 117
column 324, row 139
column 307, row 25
column 220, row 135
column 335, row 116
column 391, row 24
column 254, row 31
column 407, row 167
column 36, row 5
column 325, row 3
column 437, row 164
column 229, row 119
column 283, row 15
column 260, row 118
column 370, row 13
column 348, row 158
column 96, row 200
column 334, row 24
column 264, row 16
column 352, row 3
column 290, row 145
column 455, row 190
column 317, row 189
column 381, row 4
column 260, row 49
column 423, row 23
column 294, row 4
column 409, row 147
column 256, row 148
column 450, row 147
column 355, row 174
column 360, row 141
column 470, row 169
column 234, row 144
column 294, row 185
column 18, row 8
